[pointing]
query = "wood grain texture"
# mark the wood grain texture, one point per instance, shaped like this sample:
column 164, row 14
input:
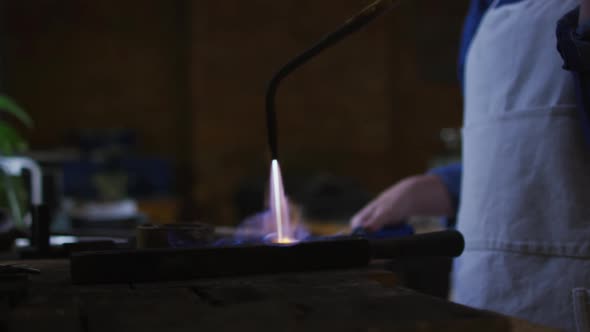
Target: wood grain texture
column 352, row 300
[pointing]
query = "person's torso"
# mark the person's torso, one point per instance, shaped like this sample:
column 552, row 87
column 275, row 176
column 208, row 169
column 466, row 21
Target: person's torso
column 525, row 194
column 526, row 180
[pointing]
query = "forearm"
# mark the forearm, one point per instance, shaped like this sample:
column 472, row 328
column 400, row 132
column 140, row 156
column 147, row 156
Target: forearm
column 421, row 195
column 426, row 195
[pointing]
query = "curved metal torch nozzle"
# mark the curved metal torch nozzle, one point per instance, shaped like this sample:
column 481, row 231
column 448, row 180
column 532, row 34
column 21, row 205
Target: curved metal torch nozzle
column 354, row 24
column 376, row 8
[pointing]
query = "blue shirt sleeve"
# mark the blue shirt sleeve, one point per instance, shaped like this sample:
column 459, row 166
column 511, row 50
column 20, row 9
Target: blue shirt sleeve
column 451, row 177
column 477, row 9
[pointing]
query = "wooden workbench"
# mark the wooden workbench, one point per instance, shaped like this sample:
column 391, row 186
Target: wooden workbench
column 357, row 300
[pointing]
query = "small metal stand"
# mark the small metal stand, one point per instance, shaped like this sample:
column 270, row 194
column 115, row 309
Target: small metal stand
column 40, row 224
column 40, row 216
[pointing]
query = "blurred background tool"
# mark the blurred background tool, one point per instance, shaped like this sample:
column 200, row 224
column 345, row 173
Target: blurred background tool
column 178, row 235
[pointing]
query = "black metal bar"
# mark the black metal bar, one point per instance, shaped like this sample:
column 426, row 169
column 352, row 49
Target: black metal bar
column 40, row 229
column 436, row 244
column 187, row 154
column 125, row 266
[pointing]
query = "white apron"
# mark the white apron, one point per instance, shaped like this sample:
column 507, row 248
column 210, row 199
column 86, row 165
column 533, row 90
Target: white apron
column 525, row 204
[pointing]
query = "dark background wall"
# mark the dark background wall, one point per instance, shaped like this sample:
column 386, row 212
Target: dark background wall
column 189, row 77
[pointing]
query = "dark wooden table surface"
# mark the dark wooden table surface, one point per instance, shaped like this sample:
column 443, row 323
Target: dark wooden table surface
column 357, row 300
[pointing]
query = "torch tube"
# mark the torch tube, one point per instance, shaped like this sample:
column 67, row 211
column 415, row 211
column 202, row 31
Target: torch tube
column 354, row 24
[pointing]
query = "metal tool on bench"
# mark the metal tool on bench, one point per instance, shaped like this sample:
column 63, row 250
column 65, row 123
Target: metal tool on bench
column 14, row 166
column 151, row 265
column 17, row 269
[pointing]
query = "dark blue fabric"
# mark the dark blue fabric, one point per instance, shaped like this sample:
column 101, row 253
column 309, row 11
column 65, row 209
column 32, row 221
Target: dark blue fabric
column 573, row 48
column 576, row 58
column 387, row 232
column 582, row 81
column 451, row 177
column 506, row 2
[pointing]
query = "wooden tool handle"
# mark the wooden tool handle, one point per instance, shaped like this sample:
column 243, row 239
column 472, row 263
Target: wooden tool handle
column 445, row 243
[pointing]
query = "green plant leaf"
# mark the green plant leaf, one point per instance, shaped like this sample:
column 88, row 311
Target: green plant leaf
column 10, row 106
column 10, row 140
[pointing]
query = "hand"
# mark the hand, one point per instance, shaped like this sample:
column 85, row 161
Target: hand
column 387, row 209
column 423, row 195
